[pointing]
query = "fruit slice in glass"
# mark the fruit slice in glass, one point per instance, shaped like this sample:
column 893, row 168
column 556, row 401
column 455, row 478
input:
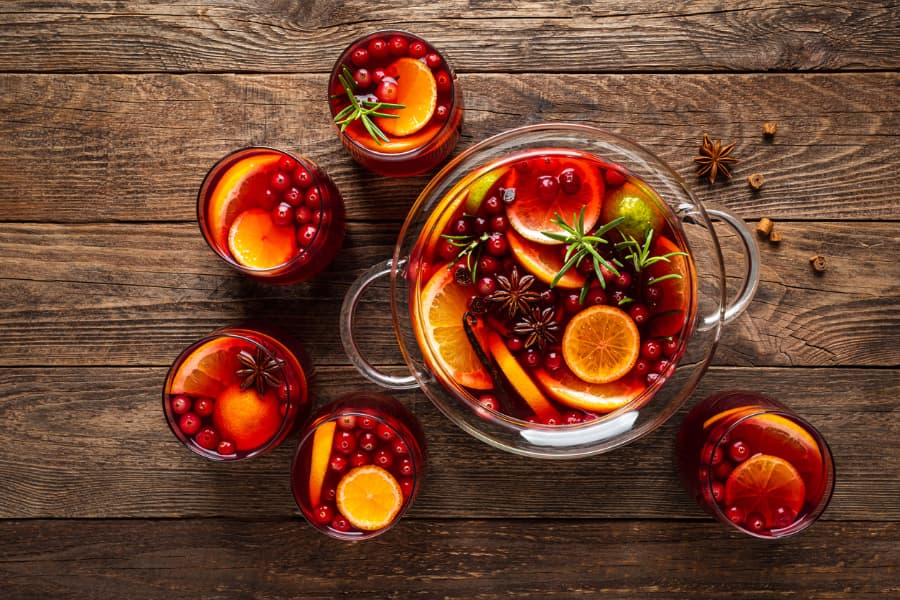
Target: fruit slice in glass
column 273, row 216
column 237, row 393
column 358, row 466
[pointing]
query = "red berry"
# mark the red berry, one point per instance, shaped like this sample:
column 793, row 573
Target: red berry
column 398, row 46
column 641, row 367
column 399, row 447
column 608, row 274
column 406, row 467
column 670, row 347
column 337, row 463
column 548, row 297
column 360, row 57
column 571, row 303
column 329, row 493
column 595, row 296
column 225, row 447
column 312, row 200
column 303, row 215
column 572, row 418
column 650, row 378
column 383, row 459
column 346, row 422
column 283, row 214
column 203, row 407
column 723, row 470
column 553, row 361
column 618, row 297
column 345, row 442
column 784, row 516
column 738, row 451
column 407, row 486
column 639, row 313
column 614, row 178
column 306, row 234
column 735, row 515
column 384, row 433
column 651, row 349
column 499, row 223
column 661, row 366
column 340, row 523
column 377, row 75
column 489, row 401
column 189, row 423
column 623, row 281
column 360, row 458
column 323, row 513
column 585, row 267
column 446, row 250
column 488, row 265
column 756, row 522
column 531, row 358
column 569, row 181
column 653, row 293
column 207, row 438
column 547, row 188
column 480, row 224
column 443, row 81
column 302, row 178
column 497, row 245
column 551, row 420
column 493, row 205
column 293, row 196
column 417, row 49
column 279, row 181
column 433, row 60
column 461, row 227
column 378, row 48
column 366, row 422
column 718, row 491
column 367, row 441
column 287, row 164
column 486, row 286
column 514, row 343
column 363, row 78
column 181, row 404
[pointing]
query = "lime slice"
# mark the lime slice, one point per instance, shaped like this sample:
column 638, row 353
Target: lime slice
column 479, row 189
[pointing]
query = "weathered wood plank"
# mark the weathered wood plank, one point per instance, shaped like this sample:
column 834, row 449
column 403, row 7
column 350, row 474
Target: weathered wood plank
column 135, row 148
column 134, row 294
column 444, row 559
column 93, row 442
column 507, row 35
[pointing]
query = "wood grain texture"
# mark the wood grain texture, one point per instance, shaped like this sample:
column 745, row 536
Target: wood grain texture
column 99, row 148
column 506, row 35
column 477, row 560
column 134, row 294
column 93, row 443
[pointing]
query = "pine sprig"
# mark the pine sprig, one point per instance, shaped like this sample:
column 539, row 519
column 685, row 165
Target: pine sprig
column 363, row 110
column 582, row 246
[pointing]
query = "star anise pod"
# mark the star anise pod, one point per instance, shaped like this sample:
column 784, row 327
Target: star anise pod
column 514, row 294
column 259, row 371
column 714, row 158
column 539, row 326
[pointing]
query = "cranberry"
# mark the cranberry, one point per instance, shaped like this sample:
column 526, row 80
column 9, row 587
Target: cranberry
column 203, row 407
column 514, row 343
column 553, row 361
column 337, row 463
column 383, row 459
column 723, row 470
column 406, row 467
column 619, row 297
column 486, row 286
column 499, row 223
column 489, row 401
column 623, row 281
column 346, row 422
column 345, row 441
column 312, row 200
column 387, row 90
column 433, row 60
column 359, row 458
column 461, row 227
column 283, row 214
column 446, row 250
column 303, row 215
column 572, row 418
column 641, row 367
column 306, row 234
column 548, row 297
column 443, row 81
column 756, row 522
column 329, row 493
column 189, row 423
column 293, row 196
column 670, row 347
column 207, row 438
column 614, row 178
column 480, row 224
column 572, row 303
column 547, row 188
column 323, row 513
column 608, row 274
column 493, row 205
column 340, row 523
column 378, row 74
column 738, row 451
column 378, row 48
column 302, row 178
column 367, row 441
column 398, row 46
column 225, row 447
column 595, row 296
column 650, row 378
column 399, row 447
column 653, row 293
column 497, row 244
column 407, row 486
column 569, row 181
column 585, row 267
column 181, row 404
column 366, row 422
column 441, row 112
column 551, row 420
column 384, row 433
column 279, row 181
column 360, row 57
column 488, row 265
column 784, row 516
column 651, row 349
column 417, row 49
column 639, row 313
column 287, row 164
column 363, row 78
column 718, row 491
column 735, row 515
column 531, row 358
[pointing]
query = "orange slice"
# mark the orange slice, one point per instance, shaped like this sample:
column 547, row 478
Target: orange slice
column 720, row 416
column 764, row 483
column 443, row 303
column 417, row 91
column 566, row 388
column 520, row 379
column 369, row 497
column 543, row 261
column 209, row 369
column 318, row 462
column 247, row 418
column 256, row 241
column 673, row 308
column 530, row 215
column 779, row 436
column 601, row 344
column 242, row 187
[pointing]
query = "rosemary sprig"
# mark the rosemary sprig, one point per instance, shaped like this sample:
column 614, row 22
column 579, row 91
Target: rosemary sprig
column 470, row 249
column 363, row 110
column 582, row 246
column 640, row 257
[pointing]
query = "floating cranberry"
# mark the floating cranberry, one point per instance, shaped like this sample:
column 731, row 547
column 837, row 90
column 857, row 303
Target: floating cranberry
column 384, row 433
column 738, row 451
column 548, row 297
column 493, row 205
column 488, row 265
column 639, row 313
column 303, row 215
column 723, row 470
column 569, row 181
column 756, row 522
column 287, row 164
column 398, row 46
column 312, row 200
column 417, row 49
column 323, row 513
column 367, row 423
column 306, row 234
column 443, row 81
column 345, row 441
column 613, row 177
column 189, row 423
column 572, row 418
column 585, row 267
column 377, row 75
column 531, row 358
column 207, row 438
column 497, row 245
column 551, row 420
column 283, row 214
column 279, row 181
column 489, row 401
column 387, row 90
column 499, row 223
column 407, row 486
column 514, row 343
column 340, row 523
column 547, row 188
column 784, row 516
column 302, row 178
column 293, row 196
column 461, row 227
column 399, row 447
column 653, row 293
column 383, row 459
column 670, row 347
column 181, row 404
column 433, row 60
column 735, row 515
column 225, row 447
column 360, row 57
column 661, row 366
column 367, row 441
column 406, row 467
column 553, row 361
column 623, row 281
column 447, row 250
column 650, row 378
column 203, row 407
column 651, row 349
column 480, row 224
column 329, row 493
column 608, row 274
column 595, row 297
column 360, row 458
column 486, row 286
column 363, row 78
column 378, row 48
column 441, row 112
column 641, row 367
column 337, row 463
column 346, row 422
column 572, row 303
column 718, row 491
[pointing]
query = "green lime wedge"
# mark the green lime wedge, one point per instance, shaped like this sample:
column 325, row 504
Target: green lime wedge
column 479, row 189
column 640, row 211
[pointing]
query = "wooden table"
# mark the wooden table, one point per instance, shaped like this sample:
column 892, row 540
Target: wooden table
column 111, row 113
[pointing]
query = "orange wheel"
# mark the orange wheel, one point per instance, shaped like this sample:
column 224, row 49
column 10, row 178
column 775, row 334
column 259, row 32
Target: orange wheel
column 763, row 484
column 369, row 497
column 601, row 344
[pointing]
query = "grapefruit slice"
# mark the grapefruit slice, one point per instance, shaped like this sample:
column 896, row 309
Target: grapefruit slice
column 209, row 369
column 566, row 388
column 520, row 379
column 255, row 240
column 242, row 187
column 762, row 484
column 318, row 462
column 543, row 261
column 671, row 312
column 417, row 91
column 530, row 215
column 443, row 303
column 601, row 344
column 369, row 497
